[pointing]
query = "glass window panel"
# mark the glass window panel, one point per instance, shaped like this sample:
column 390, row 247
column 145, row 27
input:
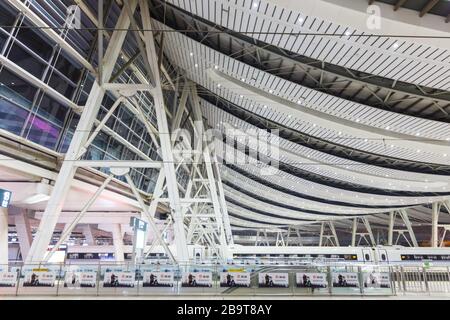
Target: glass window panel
column 42, row 132
column 26, row 61
column 68, row 69
column 61, row 85
column 35, row 42
column 115, row 149
column 12, row 117
column 24, row 92
column 52, row 110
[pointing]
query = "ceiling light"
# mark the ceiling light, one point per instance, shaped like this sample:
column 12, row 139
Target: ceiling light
column 196, row 65
column 255, row 4
column 191, row 54
column 216, row 67
column 395, row 45
column 347, row 33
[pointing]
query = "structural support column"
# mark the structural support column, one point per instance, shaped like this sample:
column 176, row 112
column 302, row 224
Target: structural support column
column 87, row 232
column 434, row 224
column 88, row 116
column 405, row 218
column 3, row 236
column 118, row 242
column 391, row 228
column 355, row 226
column 369, row 231
column 163, row 128
column 23, row 230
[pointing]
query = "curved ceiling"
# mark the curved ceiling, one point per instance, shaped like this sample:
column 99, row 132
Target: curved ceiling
column 362, row 122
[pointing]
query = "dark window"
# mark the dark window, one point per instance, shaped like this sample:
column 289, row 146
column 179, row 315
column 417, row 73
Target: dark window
column 52, row 110
column 25, row 92
column 383, row 257
column 42, row 132
column 12, row 117
column 26, row 61
column 35, row 42
column 61, row 85
column 367, row 257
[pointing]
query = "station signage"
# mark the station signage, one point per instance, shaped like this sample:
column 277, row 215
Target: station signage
column 5, row 198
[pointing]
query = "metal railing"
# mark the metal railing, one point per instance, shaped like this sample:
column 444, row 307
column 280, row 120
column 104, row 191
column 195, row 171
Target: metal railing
column 425, row 280
column 129, row 280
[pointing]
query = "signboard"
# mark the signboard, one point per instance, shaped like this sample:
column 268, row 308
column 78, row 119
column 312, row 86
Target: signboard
column 77, row 279
column 276, row 280
column 8, row 279
column 90, row 256
column 158, row 279
column 38, row 278
column 235, row 279
column 345, row 280
column 119, row 279
column 311, row 280
column 376, row 280
column 5, row 198
column 196, row 279
column 430, row 257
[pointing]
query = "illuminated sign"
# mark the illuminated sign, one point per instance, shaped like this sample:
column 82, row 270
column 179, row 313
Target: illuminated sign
column 5, row 197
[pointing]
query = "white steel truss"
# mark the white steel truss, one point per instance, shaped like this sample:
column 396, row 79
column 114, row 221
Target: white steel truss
column 328, row 237
column 206, row 215
column 365, row 237
column 201, row 214
column 401, row 231
column 83, row 137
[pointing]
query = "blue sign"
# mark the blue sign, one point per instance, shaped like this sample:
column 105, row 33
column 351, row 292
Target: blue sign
column 5, row 197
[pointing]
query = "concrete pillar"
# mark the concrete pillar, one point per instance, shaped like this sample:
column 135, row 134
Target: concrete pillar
column 118, row 242
column 23, row 232
column 87, row 232
column 391, row 228
column 434, row 224
column 3, row 236
column 355, row 226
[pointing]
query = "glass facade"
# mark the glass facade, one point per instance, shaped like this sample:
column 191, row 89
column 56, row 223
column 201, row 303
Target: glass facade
column 31, row 113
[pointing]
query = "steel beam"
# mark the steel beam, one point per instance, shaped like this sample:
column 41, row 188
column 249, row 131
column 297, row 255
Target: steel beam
column 55, row 204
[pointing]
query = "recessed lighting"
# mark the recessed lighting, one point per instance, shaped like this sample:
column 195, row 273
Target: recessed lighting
column 265, row 106
column 255, row 4
column 218, row 86
column 270, row 91
column 241, row 96
column 191, row 54
column 347, row 33
column 300, row 20
column 395, row 45
column 216, row 67
column 196, row 65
